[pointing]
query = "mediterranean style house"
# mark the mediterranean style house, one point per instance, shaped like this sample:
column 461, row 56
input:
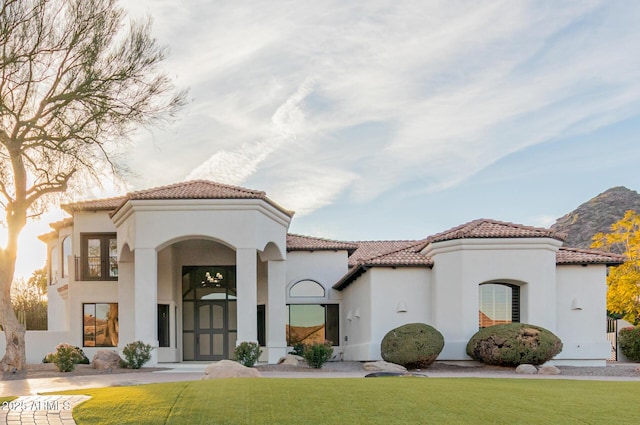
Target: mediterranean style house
column 195, row 268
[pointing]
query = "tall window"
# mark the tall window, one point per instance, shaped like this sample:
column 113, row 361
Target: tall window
column 499, row 304
column 164, row 339
column 100, row 325
column 66, row 252
column 311, row 319
column 53, row 265
column 99, row 256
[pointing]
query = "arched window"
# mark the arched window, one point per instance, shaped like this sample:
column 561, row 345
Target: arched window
column 310, row 318
column 53, row 265
column 66, row 252
column 306, row 289
column 499, row 304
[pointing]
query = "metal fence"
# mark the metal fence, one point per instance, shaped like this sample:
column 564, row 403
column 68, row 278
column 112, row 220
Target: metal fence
column 612, row 336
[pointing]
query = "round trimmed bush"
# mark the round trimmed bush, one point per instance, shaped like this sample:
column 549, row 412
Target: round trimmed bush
column 514, row 344
column 629, row 339
column 414, row 345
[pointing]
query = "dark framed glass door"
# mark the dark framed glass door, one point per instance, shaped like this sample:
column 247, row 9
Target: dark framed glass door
column 211, row 331
column 209, row 312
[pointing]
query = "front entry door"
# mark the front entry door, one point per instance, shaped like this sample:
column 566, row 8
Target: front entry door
column 211, row 330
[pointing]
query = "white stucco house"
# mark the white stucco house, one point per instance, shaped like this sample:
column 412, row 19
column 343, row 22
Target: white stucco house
column 196, row 267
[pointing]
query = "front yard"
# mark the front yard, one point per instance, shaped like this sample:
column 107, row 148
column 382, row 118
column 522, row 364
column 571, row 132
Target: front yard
column 370, row 401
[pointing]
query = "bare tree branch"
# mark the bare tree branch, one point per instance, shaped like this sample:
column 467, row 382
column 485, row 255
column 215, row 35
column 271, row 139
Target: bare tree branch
column 75, row 83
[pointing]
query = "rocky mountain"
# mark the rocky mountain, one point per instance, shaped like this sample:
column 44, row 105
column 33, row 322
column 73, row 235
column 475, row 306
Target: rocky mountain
column 597, row 215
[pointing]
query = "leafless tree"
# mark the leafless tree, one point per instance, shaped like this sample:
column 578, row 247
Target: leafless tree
column 76, row 82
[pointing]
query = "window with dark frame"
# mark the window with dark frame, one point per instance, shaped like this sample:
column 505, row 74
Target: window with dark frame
column 499, row 304
column 99, row 256
column 164, row 326
column 262, row 325
column 100, row 325
column 313, row 323
column 66, row 252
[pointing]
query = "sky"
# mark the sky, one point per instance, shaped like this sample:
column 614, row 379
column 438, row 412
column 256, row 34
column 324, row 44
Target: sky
column 395, row 119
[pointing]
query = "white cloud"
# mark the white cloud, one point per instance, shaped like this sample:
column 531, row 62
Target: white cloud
column 278, row 87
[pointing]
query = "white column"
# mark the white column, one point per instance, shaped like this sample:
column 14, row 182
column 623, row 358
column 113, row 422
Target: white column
column 246, row 285
column 146, row 300
column 126, row 305
column 276, row 311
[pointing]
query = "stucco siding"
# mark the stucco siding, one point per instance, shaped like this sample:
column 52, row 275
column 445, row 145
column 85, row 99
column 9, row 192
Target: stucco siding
column 392, row 288
column 357, row 318
column 581, row 313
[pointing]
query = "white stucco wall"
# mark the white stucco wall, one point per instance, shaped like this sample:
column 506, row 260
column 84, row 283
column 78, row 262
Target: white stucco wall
column 581, row 312
column 375, row 296
column 38, row 344
column 460, row 266
column 404, row 286
column 356, row 318
column 325, row 267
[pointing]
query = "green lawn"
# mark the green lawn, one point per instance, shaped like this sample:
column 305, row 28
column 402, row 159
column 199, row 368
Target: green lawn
column 367, row 401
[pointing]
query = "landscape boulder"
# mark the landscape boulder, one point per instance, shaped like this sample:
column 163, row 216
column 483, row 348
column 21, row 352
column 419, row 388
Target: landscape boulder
column 549, row 370
column 106, row 359
column 229, row 369
column 414, row 345
column 291, row 360
column 382, row 366
column 526, row 369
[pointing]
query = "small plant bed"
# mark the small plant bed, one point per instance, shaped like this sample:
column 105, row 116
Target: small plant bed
column 49, row 370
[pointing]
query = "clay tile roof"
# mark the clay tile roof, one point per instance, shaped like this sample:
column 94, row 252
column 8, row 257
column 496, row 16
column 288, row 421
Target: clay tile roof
column 372, row 249
column 308, row 243
column 587, row 256
column 106, row 204
column 65, row 222
column 486, row 228
column 195, row 189
column 48, row 236
column 203, row 189
column 383, row 254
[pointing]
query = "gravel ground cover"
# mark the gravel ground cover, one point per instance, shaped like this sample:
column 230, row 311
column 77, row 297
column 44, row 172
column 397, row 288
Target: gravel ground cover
column 49, row 370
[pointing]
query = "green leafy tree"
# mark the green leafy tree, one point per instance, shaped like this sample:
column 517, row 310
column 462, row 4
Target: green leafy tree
column 75, row 82
column 623, row 294
column 29, row 301
column 38, row 279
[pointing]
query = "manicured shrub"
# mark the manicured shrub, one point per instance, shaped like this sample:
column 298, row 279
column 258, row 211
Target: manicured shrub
column 414, row 345
column 66, row 357
column 629, row 340
column 247, row 353
column 514, row 344
column 83, row 359
column 49, row 358
column 136, row 354
column 317, row 354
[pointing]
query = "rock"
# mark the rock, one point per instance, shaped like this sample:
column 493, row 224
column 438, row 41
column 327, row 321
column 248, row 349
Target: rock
column 290, row 359
column 229, row 369
column 549, row 370
column 106, row 359
column 526, row 369
column 382, row 366
column 386, row 374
